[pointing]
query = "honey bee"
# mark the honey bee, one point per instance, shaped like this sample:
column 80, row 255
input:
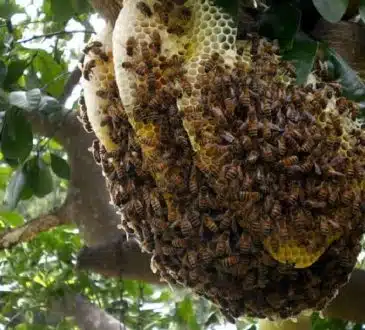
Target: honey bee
column 210, row 223
column 187, row 87
column 151, row 81
column 204, row 198
column 155, row 203
column 175, row 29
column 252, row 157
column 230, row 105
column 223, row 245
column 249, row 196
column 127, row 65
column 156, row 41
column 324, row 226
column 313, row 204
column 246, row 143
column 230, row 261
column 179, row 243
column 162, row 13
column 206, row 255
column 186, row 228
column 267, row 152
column 347, row 197
column 289, row 161
column 252, row 125
column 138, row 206
column 194, row 218
column 185, row 14
column 291, row 143
column 276, row 210
column 131, row 45
column 247, row 182
column 91, row 45
column 146, row 54
column 87, row 70
column 144, row 8
column 193, row 183
column 244, row 98
column 159, row 224
column 266, row 226
column 192, row 258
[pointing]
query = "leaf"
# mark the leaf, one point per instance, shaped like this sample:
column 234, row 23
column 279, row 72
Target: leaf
column 52, row 74
column 362, row 10
column 16, row 135
column 15, row 71
column 303, row 56
column 12, row 219
column 331, row 10
column 60, row 167
column 3, row 72
column 352, row 85
column 230, row 7
column 281, row 21
column 8, row 9
column 15, row 189
column 4, row 101
column 61, row 10
column 39, row 177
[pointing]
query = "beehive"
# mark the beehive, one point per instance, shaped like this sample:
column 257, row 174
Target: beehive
column 243, row 186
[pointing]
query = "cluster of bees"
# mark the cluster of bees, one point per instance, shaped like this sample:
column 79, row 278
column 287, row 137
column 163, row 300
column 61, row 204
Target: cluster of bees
column 276, row 164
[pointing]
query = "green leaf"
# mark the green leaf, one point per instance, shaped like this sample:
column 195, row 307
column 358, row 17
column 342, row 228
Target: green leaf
column 39, row 177
column 3, row 72
column 81, row 6
column 230, row 7
column 62, row 10
column 331, row 10
column 16, row 135
column 362, row 10
column 352, row 85
column 52, row 74
column 14, row 189
column 4, row 101
column 12, row 219
column 8, row 9
column 303, row 56
column 281, row 21
column 15, row 71
column 60, row 167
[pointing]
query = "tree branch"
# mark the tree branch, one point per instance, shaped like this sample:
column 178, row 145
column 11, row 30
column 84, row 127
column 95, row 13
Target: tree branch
column 33, row 227
column 53, row 34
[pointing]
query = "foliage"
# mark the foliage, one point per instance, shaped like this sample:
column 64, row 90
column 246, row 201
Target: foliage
column 35, row 57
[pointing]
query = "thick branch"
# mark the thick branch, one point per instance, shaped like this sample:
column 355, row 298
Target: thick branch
column 86, row 315
column 108, row 9
column 118, row 258
column 33, row 227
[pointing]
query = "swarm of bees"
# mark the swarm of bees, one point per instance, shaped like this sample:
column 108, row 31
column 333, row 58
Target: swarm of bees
column 252, row 195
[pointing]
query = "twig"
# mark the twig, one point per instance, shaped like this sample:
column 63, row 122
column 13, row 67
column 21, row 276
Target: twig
column 50, row 35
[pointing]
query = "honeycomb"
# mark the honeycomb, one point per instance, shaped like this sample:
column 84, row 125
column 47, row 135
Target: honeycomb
column 242, row 186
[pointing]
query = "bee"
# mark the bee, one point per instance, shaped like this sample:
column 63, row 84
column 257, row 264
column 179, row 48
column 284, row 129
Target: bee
column 223, row 246
column 92, row 45
column 144, row 8
column 244, row 98
column 194, row 218
column 156, row 41
column 252, row 157
column 249, row 196
column 127, row 65
column 155, row 203
column 131, row 45
column 204, row 198
column 87, row 70
column 307, row 146
column 186, row 228
column 175, row 29
column 282, row 146
column 291, row 143
column 252, row 125
column 230, row 261
column 146, row 54
column 283, row 229
column 324, row 226
column 185, row 14
column 276, row 210
column 247, row 182
column 266, row 226
column 162, row 13
column 246, row 143
column 209, row 65
column 249, row 281
column 95, row 149
column 313, row 204
column 159, row 224
column 193, row 183
column 230, row 105
column 307, row 166
column 138, row 206
column 206, row 255
column 266, row 130
column 267, row 152
column 294, row 194
column 245, row 243
column 151, row 81
column 179, row 243
column 210, row 224
column 187, row 87
column 347, row 197
column 289, row 161
column 192, row 258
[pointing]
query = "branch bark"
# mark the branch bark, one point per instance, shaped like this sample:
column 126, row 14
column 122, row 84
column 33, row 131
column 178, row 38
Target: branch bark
column 86, row 315
column 33, row 227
